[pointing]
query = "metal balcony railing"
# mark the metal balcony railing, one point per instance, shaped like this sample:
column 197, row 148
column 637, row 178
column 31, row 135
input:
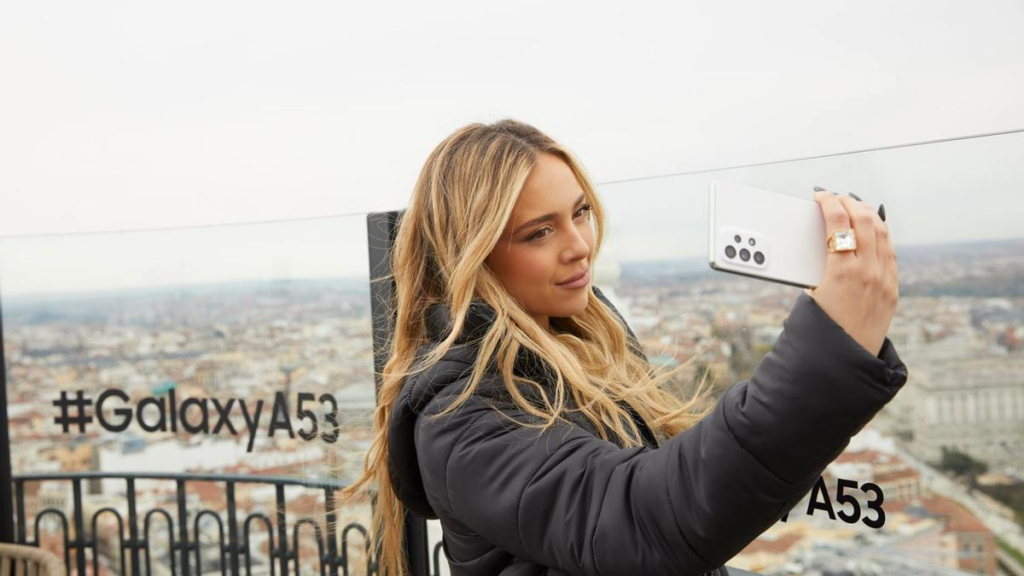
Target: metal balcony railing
column 234, row 548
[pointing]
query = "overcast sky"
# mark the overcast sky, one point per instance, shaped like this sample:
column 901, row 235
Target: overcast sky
column 119, row 116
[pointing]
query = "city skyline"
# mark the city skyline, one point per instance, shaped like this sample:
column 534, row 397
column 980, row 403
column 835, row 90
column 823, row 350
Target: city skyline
column 238, row 343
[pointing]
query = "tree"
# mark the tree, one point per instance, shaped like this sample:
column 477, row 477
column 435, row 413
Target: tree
column 962, row 465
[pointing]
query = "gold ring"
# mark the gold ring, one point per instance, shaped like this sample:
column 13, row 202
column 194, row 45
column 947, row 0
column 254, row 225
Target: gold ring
column 842, row 240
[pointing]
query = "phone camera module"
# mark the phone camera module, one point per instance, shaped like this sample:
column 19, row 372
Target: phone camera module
column 736, row 249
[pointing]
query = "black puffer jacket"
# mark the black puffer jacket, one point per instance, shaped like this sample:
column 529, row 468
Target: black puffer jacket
column 513, row 501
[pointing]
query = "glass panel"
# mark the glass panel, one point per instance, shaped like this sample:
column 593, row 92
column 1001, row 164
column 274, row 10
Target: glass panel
column 275, row 312
column 954, row 214
column 204, row 350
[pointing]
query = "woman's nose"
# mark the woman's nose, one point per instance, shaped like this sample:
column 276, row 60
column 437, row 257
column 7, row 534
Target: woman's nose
column 577, row 247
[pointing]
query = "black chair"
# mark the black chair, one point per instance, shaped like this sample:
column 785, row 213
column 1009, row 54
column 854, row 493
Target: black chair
column 381, row 228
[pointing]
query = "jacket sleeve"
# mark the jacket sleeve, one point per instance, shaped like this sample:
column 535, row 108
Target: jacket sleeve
column 569, row 500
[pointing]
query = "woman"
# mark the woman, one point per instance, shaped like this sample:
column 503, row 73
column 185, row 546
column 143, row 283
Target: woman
column 518, row 408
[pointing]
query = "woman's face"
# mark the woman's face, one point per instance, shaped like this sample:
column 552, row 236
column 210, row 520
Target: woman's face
column 548, row 239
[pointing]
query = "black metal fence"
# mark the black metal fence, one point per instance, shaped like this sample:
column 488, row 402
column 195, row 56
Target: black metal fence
column 234, row 551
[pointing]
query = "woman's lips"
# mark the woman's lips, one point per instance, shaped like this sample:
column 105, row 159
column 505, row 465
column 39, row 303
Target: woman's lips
column 577, row 283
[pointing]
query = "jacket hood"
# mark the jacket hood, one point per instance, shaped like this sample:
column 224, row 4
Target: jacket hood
column 420, row 389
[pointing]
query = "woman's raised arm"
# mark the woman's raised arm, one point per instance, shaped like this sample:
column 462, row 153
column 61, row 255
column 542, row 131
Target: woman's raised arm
column 569, row 500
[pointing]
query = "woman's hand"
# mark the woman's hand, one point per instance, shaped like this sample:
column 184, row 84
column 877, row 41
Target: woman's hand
column 860, row 288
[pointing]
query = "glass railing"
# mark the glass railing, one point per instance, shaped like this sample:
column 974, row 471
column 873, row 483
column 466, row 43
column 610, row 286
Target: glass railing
column 947, row 454
column 158, row 365
column 151, row 356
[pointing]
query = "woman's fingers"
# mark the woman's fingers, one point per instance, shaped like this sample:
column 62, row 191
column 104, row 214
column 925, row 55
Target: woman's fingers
column 836, row 218
column 883, row 246
column 856, row 282
column 882, row 242
column 863, row 224
column 886, row 254
column 874, row 246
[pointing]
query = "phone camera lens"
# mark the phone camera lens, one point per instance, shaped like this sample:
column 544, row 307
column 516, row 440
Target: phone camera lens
column 758, row 257
column 730, row 251
column 737, row 238
column 751, row 242
column 745, row 255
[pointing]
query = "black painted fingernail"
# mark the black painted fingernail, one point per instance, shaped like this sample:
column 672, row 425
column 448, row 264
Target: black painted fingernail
column 819, row 189
column 854, row 196
column 881, row 212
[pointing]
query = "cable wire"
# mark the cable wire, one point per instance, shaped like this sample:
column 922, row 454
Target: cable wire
column 603, row 183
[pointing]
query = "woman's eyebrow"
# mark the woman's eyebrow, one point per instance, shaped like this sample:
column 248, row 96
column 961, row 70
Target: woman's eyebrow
column 547, row 217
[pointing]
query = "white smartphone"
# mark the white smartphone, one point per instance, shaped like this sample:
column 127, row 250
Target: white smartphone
column 766, row 235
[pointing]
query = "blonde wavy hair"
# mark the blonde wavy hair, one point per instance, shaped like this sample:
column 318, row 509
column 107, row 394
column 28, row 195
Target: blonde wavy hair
column 460, row 205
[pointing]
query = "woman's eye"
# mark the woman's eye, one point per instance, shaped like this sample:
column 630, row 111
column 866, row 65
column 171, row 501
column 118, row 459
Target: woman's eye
column 537, row 235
